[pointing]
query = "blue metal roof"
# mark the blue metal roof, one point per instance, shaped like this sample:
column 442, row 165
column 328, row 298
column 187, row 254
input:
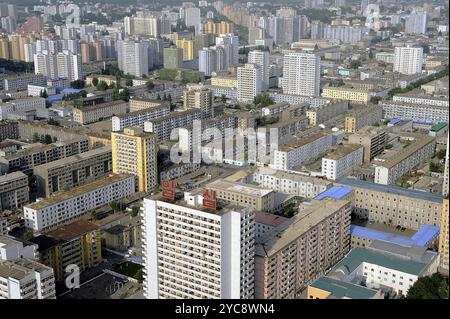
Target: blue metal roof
column 421, row 238
column 351, row 182
column 70, row 91
column 394, row 121
column 55, row 97
column 336, row 192
column 422, row 122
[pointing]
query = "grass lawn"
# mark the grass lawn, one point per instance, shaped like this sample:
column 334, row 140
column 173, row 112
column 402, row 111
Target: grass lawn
column 130, row 269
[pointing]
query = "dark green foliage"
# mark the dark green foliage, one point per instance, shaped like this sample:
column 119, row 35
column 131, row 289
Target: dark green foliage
column 434, row 287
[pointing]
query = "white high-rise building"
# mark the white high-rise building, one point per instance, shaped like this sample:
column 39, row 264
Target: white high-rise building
column 301, row 74
column 207, row 61
column 416, row 23
column 249, row 82
column 194, row 252
column 261, row 59
column 62, row 64
column 408, row 60
column 133, row 57
column 192, row 17
column 230, row 43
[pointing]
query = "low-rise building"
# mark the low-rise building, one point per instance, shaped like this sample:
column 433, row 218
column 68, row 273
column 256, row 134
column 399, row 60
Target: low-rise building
column 77, row 243
column 414, row 111
column 246, row 195
column 342, row 161
column 392, row 205
column 73, row 171
column 8, row 130
column 138, row 118
column 36, row 104
column 98, row 112
column 383, row 267
column 361, row 117
column 355, row 95
column 373, row 139
column 405, row 160
column 302, row 151
column 421, row 100
column 25, row 160
column 141, row 103
column 12, row 248
column 26, row 279
column 290, row 183
column 283, row 264
column 14, row 191
column 20, row 82
column 67, row 206
column 325, row 112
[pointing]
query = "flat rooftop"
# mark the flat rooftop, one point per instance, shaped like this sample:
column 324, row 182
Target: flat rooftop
column 391, row 189
column 5, row 179
column 293, row 176
column 150, row 109
column 342, row 151
column 335, row 192
column 20, row 268
column 407, row 152
column 101, row 106
column 297, row 226
column 421, row 238
column 302, row 142
column 342, row 289
column 77, row 191
column 269, row 219
column 236, row 187
column 73, row 230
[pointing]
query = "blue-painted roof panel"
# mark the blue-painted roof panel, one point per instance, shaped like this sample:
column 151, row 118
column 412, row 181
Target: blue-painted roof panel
column 394, row 121
column 336, row 192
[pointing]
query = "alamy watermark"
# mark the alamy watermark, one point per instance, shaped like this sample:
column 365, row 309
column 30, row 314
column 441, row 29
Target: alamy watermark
column 212, row 145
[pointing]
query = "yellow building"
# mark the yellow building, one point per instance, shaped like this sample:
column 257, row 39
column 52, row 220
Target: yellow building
column 443, row 236
column 188, row 48
column 76, row 243
column 4, row 49
column 217, row 28
column 346, row 93
column 360, row 118
column 135, row 151
column 109, row 79
column 224, row 81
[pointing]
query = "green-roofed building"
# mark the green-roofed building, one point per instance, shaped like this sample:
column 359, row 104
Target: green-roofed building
column 439, row 129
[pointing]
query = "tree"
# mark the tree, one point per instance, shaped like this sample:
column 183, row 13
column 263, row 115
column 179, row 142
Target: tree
column 169, row 98
column 158, row 97
column 27, row 235
column 43, row 94
column 129, row 82
column 375, row 99
column 48, row 139
column 52, row 121
column 102, row 86
column 440, row 154
column 36, row 137
column 433, row 287
column 114, row 206
column 150, row 86
column 223, row 98
column 164, row 97
column 77, row 84
column 121, row 94
column 94, row 81
column 263, row 100
column 355, row 64
column 94, row 215
column 135, row 210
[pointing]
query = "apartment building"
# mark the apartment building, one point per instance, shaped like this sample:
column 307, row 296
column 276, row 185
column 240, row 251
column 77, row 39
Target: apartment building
column 36, row 104
column 141, row 103
column 420, row 99
column 21, row 82
column 290, row 183
column 135, row 152
column 288, row 127
column 415, row 112
column 443, row 236
column 359, row 118
column 26, row 279
column 266, row 222
column 380, row 267
column 77, row 243
column 224, row 81
column 326, row 112
column 395, row 206
column 405, row 160
column 355, row 95
column 73, row 171
column 14, row 191
column 12, row 248
column 408, row 60
column 201, row 99
column 245, row 195
column 373, row 139
column 138, row 118
column 274, row 109
column 293, row 155
column 249, row 82
column 342, row 161
column 8, row 130
column 98, row 112
column 25, row 160
column 67, row 206
column 213, row 258
column 164, row 126
column 313, row 101
column 301, row 74
column 3, row 226
column 296, row 252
